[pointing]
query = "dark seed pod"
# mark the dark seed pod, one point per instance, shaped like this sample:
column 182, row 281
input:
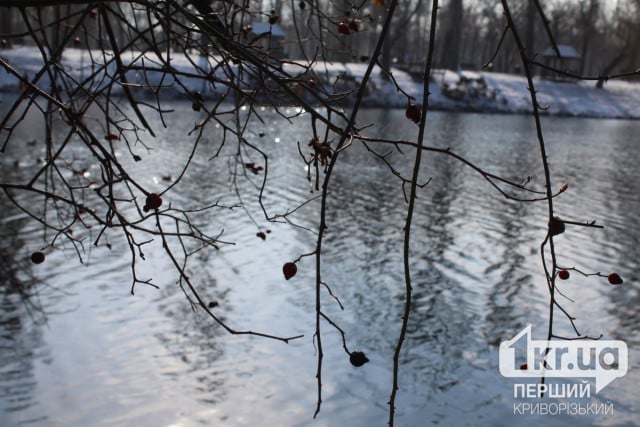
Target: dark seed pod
column 154, row 201
column 614, row 279
column 358, row 358
column 343, row 28
column 556, row 226
column 37, row 257
column 413, row 113
column 289, row 270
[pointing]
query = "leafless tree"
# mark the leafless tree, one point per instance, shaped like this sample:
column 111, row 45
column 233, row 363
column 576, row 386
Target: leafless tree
column 133, row 71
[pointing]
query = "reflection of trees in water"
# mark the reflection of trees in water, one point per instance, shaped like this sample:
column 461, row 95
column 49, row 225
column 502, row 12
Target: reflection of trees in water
column 363, row 262
column 20, row 316
column 505, row 314
column 440, row 327
column 624, row 188
column 367, row 214
column 191, row 338
column 506, row 229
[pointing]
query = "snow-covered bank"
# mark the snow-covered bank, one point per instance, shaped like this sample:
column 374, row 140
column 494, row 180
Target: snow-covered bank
column 454, row 91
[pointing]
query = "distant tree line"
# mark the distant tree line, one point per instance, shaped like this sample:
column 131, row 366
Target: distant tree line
column 606, row 36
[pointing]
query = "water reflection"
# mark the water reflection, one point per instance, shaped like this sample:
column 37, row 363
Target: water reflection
column 476, row 272
column 622, row 189
column 21, row 316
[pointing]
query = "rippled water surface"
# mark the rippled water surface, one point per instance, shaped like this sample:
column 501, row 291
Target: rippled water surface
column 101, row 357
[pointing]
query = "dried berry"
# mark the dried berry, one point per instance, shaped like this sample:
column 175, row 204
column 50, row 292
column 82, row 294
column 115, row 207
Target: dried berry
column 413, row 113
column 153, row 202
column 556, row 226
column 246, row 31
column 213, row 304
column 261, row 235
column 524, row 367
column 614, row 279
column 256, row 169
column 302, row 4
column 358, row 358
column 353, row 25
column 197, row 101
column 563, row 274
column 289, row 270
column 344, row 29
column 37, row 257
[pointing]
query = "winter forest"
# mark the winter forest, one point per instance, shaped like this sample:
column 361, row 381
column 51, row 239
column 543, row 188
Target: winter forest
column 604, row 34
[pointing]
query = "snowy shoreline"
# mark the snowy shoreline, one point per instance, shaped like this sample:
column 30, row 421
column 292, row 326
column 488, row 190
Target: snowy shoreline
column 482, row 92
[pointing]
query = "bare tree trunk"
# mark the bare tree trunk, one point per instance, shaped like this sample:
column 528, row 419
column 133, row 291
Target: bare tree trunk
column 588, row 28
column 451, row 47
column 385, row 59
column 611, row 66
column 530, row 34
column 6, row 24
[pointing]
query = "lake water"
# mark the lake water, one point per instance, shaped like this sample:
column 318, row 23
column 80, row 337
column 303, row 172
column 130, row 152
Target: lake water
column 101, row 357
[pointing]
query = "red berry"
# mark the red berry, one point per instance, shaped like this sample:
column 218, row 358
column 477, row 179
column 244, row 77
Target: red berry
column 76, row 41
column 413, row 113
column 524, row 367
column 37, row 257
column 92, row 14
column 563, row 274
column 289, row 269
column 353, row 25
column 344, row 29
column 153, row 202
column 614, row 279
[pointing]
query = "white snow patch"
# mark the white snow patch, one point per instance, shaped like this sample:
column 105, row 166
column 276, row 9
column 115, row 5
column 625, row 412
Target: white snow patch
column 449, row 90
